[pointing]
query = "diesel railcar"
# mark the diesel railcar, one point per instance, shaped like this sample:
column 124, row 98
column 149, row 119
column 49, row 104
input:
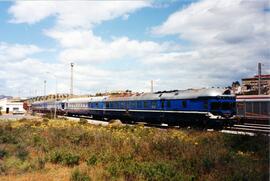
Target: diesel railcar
column 253, row 108
column 211, row 107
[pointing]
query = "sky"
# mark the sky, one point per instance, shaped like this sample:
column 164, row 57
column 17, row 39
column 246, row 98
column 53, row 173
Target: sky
column 120, row 45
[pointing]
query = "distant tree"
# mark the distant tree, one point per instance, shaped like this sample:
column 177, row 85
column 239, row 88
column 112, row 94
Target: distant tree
column 235, row 84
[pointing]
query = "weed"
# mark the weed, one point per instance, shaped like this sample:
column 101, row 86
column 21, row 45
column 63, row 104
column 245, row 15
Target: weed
column 3, row 153
column 64, row 158
column 22, row 153
column 92, row 160
column 77, row 175
column 39, row 163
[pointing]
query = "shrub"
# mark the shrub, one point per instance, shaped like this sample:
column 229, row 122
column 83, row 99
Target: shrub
column 8, row 138
column 3, row 153
column 55, row 157
column 22, row 153
column 40, row 163
column 64, row 158
column 3, row 168
column 83, row 121
column 71, row 160
column 92, row 160
column 25, row 166
column 77, row 175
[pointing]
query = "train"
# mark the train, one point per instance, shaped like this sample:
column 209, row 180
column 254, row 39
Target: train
column 212, row 107
column 253, row 109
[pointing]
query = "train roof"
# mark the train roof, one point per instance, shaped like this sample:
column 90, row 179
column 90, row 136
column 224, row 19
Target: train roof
column 176, row 94
column 86, row 99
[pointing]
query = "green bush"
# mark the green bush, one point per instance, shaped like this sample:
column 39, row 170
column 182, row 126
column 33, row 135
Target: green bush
column 64, row 158
column 22, row 153
column 40, row 163
column 56, row 157
column 3, row 153
column 71, row 159
column 77, row 175
column 92, row 160
column 3, row 169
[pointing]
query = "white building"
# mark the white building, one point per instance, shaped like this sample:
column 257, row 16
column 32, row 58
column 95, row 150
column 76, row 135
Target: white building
column 9, row 106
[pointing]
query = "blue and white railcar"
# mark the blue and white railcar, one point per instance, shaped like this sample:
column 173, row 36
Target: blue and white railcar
column 195, row 106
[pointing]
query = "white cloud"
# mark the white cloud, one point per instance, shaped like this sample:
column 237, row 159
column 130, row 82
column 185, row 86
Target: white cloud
column 210, row 21
column 84, row 47
column 227, row 38
column 15, row 52
column 72, row 14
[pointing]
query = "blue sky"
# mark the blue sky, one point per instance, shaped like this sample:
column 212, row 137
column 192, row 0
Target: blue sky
column 123, row 45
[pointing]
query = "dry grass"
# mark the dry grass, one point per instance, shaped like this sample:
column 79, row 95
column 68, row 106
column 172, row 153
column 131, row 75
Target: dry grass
column 48, row 150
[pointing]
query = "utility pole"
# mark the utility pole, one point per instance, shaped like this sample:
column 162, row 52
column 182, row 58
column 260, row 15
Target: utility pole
column 71, row 78
column 259, row 77
column 44, row 95
column 152, row 86
column 44, row 88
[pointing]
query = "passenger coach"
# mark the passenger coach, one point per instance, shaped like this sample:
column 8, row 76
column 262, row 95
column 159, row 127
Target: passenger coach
column 254, row 108
column 182, row 107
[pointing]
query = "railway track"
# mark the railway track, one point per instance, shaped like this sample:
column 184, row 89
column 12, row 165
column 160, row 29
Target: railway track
column 250, row 128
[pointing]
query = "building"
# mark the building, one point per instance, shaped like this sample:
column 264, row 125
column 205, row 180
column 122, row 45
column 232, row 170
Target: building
column 251, row 85
column 11, row 106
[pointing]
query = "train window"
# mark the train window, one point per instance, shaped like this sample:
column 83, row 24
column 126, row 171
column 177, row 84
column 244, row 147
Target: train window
column 184, row 104
column 122, row 105
column 168, row 104
column 107, row 105
column 133, row 104
column 162, row 104
column 225, row 105
column 145, row 104
column 154, row 104
column 256, row 107
column 139, row 104
column 265, row 106
column 205, row 104
column 249, row 107
column 215, row 105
